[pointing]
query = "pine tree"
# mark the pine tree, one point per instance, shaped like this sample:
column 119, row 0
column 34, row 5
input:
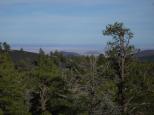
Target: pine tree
column 119, row 51
column 48, row 88
column 12, row 100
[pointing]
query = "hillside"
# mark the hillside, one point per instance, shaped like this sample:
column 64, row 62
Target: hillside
column 30, row 57
column 69, row 53
column 18, row 56
column 23, row 59
column 146, row 55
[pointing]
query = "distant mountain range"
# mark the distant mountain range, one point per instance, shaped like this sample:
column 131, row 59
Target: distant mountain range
column 30, row 57
column 146, row 55
column 69, row 53
column 93, row 52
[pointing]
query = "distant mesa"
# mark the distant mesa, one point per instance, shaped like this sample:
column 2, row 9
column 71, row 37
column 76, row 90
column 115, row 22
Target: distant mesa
column 146, row 55
column 69, row 53
column 92, row 53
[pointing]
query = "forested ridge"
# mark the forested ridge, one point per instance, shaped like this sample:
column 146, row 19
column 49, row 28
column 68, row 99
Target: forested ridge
column 114, row 83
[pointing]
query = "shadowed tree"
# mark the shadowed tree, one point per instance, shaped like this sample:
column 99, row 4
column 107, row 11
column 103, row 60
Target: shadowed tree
column 6, row 46
column 0, row 46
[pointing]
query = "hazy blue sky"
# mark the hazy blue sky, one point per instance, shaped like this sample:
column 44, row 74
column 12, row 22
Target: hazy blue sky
column 74, row 21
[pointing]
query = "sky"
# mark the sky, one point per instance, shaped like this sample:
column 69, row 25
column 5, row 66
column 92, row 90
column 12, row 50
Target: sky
column 74, row 22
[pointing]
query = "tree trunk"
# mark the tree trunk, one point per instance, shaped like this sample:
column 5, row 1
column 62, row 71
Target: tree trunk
column 43, row 97
column 92, row 86
column 121, row 85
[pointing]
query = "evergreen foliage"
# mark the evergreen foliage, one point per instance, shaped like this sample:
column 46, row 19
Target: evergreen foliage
column 114, row 83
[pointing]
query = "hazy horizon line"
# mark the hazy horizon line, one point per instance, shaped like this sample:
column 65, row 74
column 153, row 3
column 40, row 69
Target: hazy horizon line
column 77, row 48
